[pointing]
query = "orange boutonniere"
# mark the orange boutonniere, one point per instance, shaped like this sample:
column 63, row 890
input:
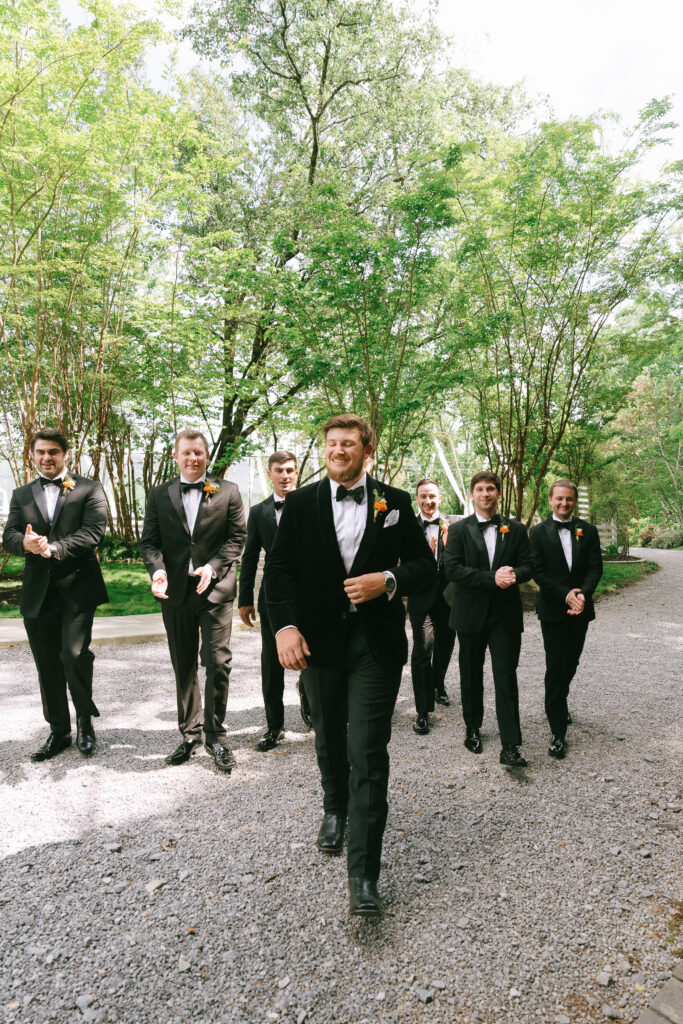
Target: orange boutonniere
column 444, row 531
column 68, row 483
column 209, row 489
column 503, row 530
column 379, row 506
column 578, row 534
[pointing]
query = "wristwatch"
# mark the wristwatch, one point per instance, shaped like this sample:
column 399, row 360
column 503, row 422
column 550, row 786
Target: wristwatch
column 389, row 583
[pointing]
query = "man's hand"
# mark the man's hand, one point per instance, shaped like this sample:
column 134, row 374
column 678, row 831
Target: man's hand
column 505, row 577
column 248, row 615
column 576, row 601
column 160, row 586
column 364, row 588
column 292, row 649
column 205, row 572
column 36, row 543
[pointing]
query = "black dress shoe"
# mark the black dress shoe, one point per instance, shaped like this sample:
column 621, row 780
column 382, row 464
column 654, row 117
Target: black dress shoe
column 223, row 758
column 442, row 698
column 364, row 899
column 421, row 725
column 558, row 747
column 304, row 706
column 511, row 757
column 473, row 741
column 54, row 744
column 269, row 740
column 85, row 736
column 331, row 835
column 182, row 753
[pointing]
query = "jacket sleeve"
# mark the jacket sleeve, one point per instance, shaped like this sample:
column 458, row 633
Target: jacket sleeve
column 250, row 559
column 456, row 569
column 523, row 566
column 417, row 567
column 150, row 542
column 15, row 528
column 279, row 575
column 235, row 535
column 547, row 582
column 92, row 529
column 594, row 567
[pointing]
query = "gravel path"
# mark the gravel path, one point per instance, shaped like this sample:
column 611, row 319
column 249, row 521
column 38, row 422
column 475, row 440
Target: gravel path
column 136, row 893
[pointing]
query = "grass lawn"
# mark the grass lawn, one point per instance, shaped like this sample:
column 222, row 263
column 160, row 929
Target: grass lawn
column 615, row 577
column 128, row 587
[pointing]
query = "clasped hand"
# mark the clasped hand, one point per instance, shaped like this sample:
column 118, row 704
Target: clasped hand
column 505, row 577
column 576, row 601
column 36, row 543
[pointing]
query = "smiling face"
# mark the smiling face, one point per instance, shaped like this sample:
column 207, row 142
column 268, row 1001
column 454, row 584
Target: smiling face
column 485, row 497
column 563, row 502
column 283, row 476
column 191, row 458
column 345, row 454
column 428, row 498
column 49, row 457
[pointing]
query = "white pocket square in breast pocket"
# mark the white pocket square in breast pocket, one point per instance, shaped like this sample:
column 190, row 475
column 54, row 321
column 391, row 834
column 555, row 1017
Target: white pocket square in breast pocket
column 392, row 518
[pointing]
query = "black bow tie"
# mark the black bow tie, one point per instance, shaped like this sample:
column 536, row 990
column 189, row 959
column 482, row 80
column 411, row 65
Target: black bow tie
column 278, row 505
column 569, row 525
column 493, row 521
column 430, row 522
column 44, row 482
column 357, row 493
column 198, row 485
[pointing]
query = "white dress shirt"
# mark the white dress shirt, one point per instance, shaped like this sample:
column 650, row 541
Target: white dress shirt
column 191, row 502
column 278, row 511
column 431, row 532
column 566, row 542
column 52, row 490
column 350, row 520
column 489, row 535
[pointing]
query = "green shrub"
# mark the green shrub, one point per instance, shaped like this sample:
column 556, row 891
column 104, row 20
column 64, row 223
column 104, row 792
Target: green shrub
column 668, row 539
column 116, row 549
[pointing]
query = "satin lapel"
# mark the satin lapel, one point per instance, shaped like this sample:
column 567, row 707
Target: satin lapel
column 177, row 502
column 269, row 521
column 576, row 545
column 329, row 534
column 556, row 543
column 41, row 503
column 204, row 505
column 59, row 506
column 478, row 539
column 370, row 532
column 501, row 540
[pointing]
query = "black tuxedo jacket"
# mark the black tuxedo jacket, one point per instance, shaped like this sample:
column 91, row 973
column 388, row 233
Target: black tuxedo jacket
column 217, row 540
column 261, row 530
column 420, row 602
column 552, row 575
column 78, row 526
column 304, row 574
column 466, row 562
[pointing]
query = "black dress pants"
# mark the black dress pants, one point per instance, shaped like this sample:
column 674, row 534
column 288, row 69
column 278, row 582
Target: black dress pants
column 196, row 617
column 351, row 707
column 504, row 648
column 272, row 676
column 563, row 643
column 59, row 638
column 433, row 641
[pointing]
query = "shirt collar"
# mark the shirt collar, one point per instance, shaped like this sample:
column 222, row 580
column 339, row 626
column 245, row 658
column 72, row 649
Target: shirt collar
column 556, row 519
column 480, row 519
column 200, row 480
column 363, row 481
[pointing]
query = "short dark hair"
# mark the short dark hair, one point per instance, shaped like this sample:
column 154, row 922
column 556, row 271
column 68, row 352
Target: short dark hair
column 50, row 434
column 564, row 483
column 350, row 421
column 280, row 457
column 190, row 434
column 485, row 476
column 426, row 480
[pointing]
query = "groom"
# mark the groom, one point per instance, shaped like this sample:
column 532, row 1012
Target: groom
column 347, row 549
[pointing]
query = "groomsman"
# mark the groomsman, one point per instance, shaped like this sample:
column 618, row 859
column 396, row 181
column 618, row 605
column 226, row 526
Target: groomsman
column 347, row 549
column 487, row 557
column 262, row 525
column 56, row 523
column 192, row 537
column 567, row 566
column 429, row 611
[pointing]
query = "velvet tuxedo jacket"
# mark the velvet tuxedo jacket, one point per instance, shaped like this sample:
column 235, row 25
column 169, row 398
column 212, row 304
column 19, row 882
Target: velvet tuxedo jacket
column 466, row 563
column 420, row 602
column 261, row 530
column 78, row 525
column 550, row 570
column 217, row 539
column 304, row 574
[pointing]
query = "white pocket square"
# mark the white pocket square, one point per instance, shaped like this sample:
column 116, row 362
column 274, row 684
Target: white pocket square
column 392, row 518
